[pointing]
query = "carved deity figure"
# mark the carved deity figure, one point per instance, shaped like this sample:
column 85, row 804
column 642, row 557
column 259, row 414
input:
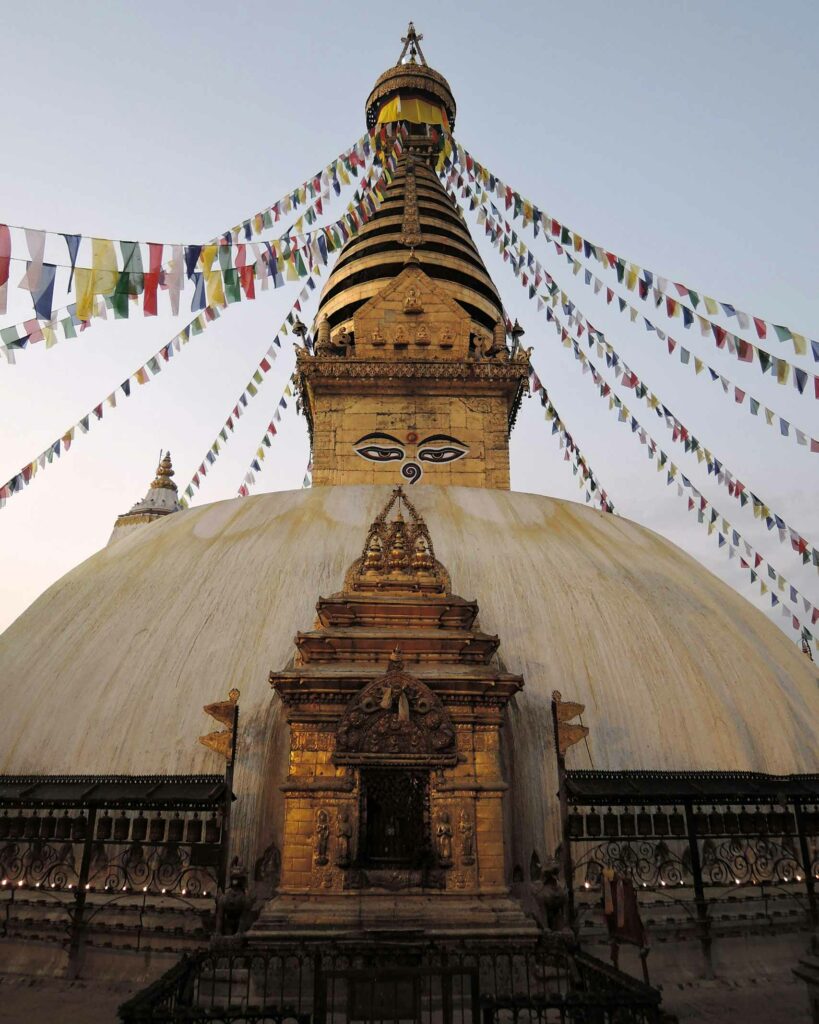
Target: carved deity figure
column 467, row 830
column 412, row 304
column 322, row 837
column 422, row 336
column 444, row 837
column 344, row 834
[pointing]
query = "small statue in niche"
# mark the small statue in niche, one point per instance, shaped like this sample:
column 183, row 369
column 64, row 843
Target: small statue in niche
column 444, row 837
column 377, row 339
column 412, row 304
column 400, row 338
column 422, row 559
column 344, row 835
column 422, row 336
column 467, row 830
column 322, row 837
column 446, row 338
column 342, row 342
column 374, row 557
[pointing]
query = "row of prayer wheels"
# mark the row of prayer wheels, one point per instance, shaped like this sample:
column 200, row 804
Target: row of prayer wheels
column 72, row 827
column 627, row 823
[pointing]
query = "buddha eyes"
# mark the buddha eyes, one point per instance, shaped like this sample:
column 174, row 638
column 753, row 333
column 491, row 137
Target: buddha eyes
column 437, row 448
column 441, row 454
column 375, row 453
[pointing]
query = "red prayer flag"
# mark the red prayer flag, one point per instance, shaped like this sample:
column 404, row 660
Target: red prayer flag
column 719, row 334
column 151, row 278
column 247, row 279
column 5, row 262
column 761, row 327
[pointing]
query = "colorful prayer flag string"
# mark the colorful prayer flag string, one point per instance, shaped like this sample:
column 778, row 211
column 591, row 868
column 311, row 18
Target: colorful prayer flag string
column 121, row 287
column 145, row 373
column 579, row 462
column 696, row 501
column 680, row 433
column 566, row 236
column 250, row 390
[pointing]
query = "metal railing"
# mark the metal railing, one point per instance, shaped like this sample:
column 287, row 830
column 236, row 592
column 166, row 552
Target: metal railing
column 73, row 848
column 696, row 840
column 376, row 983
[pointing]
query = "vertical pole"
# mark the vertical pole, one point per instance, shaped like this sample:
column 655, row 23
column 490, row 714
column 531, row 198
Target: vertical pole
column 77, row 922
column 224, row 854
column 703, row 922
column 810, row 882
column 446, row 989
column 563, row 800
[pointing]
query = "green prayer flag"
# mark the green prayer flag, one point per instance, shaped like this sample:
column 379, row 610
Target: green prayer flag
column 782, row 333
column 232, row 291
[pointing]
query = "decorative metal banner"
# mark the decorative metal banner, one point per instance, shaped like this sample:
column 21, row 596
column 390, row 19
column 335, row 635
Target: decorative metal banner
column 567, row 733
column 227, row 713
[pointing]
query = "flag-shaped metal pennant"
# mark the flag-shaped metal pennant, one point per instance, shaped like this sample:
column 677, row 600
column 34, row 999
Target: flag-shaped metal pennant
column 568, row 733
column 223, row 711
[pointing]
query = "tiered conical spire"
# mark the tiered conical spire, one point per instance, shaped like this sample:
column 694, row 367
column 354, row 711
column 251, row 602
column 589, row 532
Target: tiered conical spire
column 161, row 500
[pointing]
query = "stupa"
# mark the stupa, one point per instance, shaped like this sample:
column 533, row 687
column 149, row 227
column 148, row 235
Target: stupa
column 414, row 617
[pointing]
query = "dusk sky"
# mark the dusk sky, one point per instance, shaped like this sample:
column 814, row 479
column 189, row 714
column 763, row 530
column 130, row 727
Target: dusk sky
column 682, row 137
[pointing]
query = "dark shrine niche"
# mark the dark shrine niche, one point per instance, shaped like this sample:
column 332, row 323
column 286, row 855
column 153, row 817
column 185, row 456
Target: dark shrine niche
column 396, row 720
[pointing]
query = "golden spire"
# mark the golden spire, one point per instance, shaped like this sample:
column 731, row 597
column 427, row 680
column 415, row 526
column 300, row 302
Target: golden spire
column 164, row 472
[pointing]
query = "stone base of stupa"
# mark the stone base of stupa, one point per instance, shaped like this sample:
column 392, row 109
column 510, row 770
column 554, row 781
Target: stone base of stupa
column 358, row 915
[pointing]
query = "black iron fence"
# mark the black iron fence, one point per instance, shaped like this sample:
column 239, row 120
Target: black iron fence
column 431, row 984
column 77, row 845
column 695, row 838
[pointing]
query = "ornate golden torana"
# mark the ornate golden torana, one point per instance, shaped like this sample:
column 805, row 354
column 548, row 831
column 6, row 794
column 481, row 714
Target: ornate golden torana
column 395, row 704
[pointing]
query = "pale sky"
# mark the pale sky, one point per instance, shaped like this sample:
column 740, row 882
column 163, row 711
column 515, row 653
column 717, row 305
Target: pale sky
column 681, row 136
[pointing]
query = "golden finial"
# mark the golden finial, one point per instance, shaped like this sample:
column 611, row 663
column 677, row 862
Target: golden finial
column 164, row 472
column 412, row 42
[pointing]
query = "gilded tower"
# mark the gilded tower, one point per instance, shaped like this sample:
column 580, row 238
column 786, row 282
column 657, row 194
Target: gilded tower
column 412, row 379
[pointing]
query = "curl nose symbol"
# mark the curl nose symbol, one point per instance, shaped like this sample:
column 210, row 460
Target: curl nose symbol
column 411, row 472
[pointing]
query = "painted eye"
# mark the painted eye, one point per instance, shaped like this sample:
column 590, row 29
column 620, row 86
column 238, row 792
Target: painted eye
column 447, row 454
column 375, row 453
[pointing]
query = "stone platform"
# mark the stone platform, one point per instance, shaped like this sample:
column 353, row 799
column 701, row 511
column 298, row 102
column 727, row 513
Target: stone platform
column 409, row 915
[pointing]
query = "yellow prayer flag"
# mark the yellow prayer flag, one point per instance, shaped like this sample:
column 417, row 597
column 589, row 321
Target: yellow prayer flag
column 698, row 365
column 84, row 283
column 710, row 305
column 799, row 344
column 782, row 371
column 104, row 262
column 631, row 277
column 213, row 278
